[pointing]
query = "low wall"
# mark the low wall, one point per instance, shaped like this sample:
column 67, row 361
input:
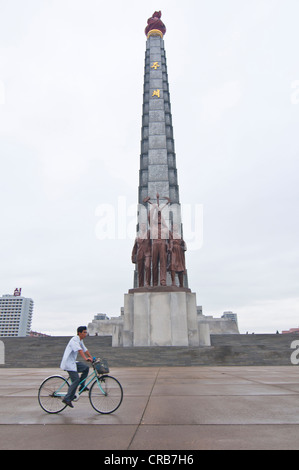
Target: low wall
column 225, row 350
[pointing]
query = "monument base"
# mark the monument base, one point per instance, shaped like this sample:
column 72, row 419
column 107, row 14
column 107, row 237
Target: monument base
column 160, row 316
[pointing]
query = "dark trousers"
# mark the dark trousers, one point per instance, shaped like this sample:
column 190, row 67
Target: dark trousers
column 76, row 380
column 144, row 264
column 159, row 255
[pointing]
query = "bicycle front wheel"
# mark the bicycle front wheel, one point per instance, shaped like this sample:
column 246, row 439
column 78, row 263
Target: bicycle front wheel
column 51, row 393
column 106, row 394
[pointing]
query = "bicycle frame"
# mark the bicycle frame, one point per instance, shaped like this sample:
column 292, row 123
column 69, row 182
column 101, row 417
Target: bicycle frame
column 93, row 375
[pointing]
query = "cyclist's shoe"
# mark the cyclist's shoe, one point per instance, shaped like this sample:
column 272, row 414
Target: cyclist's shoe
column 68, row 403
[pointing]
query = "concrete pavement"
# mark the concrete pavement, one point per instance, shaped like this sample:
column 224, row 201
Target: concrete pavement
column 164, row 408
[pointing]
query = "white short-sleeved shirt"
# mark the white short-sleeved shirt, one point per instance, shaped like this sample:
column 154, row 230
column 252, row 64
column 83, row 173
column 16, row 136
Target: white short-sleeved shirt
column 70, row 354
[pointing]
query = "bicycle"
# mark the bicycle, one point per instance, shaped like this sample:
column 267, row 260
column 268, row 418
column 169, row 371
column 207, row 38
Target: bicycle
column 105, row 393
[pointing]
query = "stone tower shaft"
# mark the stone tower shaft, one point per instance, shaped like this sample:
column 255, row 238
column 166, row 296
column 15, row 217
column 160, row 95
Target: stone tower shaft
column 159, row 210
column 158, row 173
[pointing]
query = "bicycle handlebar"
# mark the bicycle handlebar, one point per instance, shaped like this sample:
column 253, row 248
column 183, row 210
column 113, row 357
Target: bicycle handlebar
column 94, row 360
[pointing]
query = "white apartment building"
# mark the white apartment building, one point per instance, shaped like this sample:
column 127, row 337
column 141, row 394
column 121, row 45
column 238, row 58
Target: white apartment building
column 15, row 314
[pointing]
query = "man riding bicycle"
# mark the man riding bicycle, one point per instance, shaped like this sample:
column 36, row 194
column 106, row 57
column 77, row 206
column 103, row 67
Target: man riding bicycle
column 69, row 363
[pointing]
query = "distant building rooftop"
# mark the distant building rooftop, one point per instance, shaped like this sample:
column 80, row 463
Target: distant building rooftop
column 291, row 330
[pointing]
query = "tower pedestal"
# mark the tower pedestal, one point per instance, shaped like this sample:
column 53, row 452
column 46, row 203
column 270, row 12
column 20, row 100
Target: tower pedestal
column 160, row 316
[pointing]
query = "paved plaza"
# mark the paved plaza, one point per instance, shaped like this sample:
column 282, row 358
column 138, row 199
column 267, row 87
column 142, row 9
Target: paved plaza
column 167, row 408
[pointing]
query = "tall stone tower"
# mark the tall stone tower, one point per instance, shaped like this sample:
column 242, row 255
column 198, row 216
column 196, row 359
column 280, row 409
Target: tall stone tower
column 160, row 310
column 158, row 172
column 158, row 183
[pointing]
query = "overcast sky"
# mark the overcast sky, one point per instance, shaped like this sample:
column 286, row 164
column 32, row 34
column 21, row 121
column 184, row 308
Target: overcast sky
column 71, row 84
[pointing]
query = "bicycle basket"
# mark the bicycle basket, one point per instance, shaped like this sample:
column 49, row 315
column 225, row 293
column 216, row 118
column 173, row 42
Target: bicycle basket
column 101, row 366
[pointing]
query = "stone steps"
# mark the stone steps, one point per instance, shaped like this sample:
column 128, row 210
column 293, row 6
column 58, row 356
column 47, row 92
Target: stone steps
column 266, row 340
column 225, row 350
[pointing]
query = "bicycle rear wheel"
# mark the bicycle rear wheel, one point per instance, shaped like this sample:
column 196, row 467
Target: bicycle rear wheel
column 51, row 392
column 106, row 397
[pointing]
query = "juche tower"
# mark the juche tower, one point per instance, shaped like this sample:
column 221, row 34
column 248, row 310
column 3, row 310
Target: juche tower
column 160, row 310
